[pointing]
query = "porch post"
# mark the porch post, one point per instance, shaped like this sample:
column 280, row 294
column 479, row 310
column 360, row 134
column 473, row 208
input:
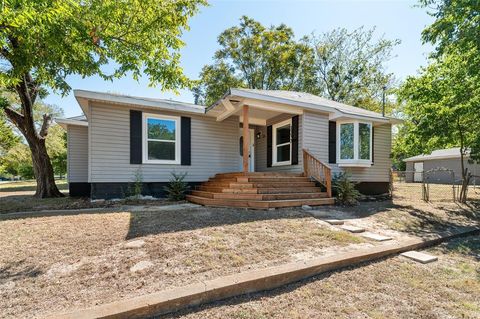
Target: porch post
column 246, row 139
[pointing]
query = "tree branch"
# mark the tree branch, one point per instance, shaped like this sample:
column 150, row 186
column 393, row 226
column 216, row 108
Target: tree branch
column 47, row 121
column 15, row 117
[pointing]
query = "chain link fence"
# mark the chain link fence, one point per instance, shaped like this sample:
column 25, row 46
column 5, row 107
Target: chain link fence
column 436, row 185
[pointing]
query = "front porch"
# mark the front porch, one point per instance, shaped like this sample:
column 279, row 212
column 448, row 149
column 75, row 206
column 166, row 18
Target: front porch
column 275, row 171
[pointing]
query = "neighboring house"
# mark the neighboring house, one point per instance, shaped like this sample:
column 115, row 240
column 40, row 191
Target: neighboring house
column 443, row 167
column 120, row 135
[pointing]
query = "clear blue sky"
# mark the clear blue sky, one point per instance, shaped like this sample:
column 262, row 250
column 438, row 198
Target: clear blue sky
column 395, row 19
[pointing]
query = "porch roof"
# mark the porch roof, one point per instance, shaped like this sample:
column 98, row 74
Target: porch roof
column 281, row 101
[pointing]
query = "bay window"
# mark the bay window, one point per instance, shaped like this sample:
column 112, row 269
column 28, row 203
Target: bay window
column 354, row 143
column 161, row 139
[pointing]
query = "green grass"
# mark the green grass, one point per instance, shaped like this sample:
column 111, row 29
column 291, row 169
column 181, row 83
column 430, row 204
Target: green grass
column 30, row 185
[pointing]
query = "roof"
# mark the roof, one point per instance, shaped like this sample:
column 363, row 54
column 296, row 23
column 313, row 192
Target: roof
column 438, row 154
column 84, row 96
column 306, row 100
column 80, row 120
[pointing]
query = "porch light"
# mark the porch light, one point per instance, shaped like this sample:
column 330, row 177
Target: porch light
column 259, row 135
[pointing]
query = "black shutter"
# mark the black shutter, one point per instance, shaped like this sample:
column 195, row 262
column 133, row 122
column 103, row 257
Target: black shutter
column 332, row 142
column 295, row 140
column 186, row 140
column 373, row 145
column 135, row 137
column 269, row 146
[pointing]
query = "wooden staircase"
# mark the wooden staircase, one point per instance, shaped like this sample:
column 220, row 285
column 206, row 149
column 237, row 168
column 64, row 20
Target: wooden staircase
column 260, row 190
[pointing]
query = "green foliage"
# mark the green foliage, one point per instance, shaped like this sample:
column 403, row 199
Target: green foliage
column 17, row 162
column 8, row 138
column 136, row 191
column 57, row 149
column 343, row 66
column 53, row 39
column 253, row 56
column 350, row 67
column 346, row 193
column 177, row 187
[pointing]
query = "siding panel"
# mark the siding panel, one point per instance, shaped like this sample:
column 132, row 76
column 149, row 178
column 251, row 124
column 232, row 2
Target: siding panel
column 214, row 148
column 77, row 154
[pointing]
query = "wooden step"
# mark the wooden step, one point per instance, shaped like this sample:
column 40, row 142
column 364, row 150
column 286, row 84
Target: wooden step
column 278, row 190
column 259, row 204
column 259, row 196
column 227, row 190
column 280, row 179
column 259, row 174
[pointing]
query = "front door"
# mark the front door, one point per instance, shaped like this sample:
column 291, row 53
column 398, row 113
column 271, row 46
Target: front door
column 251, row 156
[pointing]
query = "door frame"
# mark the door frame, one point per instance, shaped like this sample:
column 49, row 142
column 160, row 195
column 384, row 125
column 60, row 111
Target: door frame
column 251, row 162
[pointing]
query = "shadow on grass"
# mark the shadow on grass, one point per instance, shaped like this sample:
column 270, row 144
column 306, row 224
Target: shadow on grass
column 152, row 223
column 17, row 271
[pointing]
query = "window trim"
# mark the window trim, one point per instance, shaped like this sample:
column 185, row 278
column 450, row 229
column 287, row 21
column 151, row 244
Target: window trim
column 275, row 146
column 146, row 117
column 356, row 161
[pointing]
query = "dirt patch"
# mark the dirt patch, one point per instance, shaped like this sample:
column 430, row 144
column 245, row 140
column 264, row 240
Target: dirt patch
column 58, row 263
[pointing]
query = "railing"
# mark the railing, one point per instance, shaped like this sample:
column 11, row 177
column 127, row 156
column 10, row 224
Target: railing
column 314, row 168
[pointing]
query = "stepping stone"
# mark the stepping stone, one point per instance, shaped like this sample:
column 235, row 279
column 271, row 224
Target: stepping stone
column 376, row 237
column 135, row 244
column 320, row 213
column 353, row 229
column 334, row 221
column 419, row 257
column 142, row 265
column 306, row 207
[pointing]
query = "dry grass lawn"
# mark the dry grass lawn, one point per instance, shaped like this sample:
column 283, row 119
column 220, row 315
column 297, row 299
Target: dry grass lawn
column 392, row 288
column 52, row 264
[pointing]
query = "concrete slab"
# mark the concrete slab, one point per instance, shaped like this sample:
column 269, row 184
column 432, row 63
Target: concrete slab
column 376, row 237
column 419, row 256
column 334, row 221
column 353, row 229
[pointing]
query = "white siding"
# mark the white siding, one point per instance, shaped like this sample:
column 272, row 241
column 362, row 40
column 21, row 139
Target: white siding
column 214, row 147
column 77, row 154
column 316, row 141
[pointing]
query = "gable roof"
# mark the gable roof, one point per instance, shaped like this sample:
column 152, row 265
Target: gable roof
column 437, row 154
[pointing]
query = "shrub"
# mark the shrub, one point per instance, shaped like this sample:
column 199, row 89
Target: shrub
column 136, row 190
column 345, row 190
column 177, row 187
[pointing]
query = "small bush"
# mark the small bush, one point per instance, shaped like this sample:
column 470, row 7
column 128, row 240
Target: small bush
column 135, row 190
column 345, row 190
column 177, row 187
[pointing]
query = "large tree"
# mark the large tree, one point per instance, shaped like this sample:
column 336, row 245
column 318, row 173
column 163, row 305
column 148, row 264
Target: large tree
column 257, row 57
column 350, row 66
column 44, row 41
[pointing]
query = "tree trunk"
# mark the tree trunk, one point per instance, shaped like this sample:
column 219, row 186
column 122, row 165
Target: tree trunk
column 42, row 169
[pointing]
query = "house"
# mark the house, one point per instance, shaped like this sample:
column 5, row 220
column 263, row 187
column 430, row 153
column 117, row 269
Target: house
column 278, row 140
column 443, row 167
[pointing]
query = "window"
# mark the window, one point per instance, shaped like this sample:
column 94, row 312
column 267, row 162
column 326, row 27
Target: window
column 354, row 143
column 161, row 139
column 282, row 143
